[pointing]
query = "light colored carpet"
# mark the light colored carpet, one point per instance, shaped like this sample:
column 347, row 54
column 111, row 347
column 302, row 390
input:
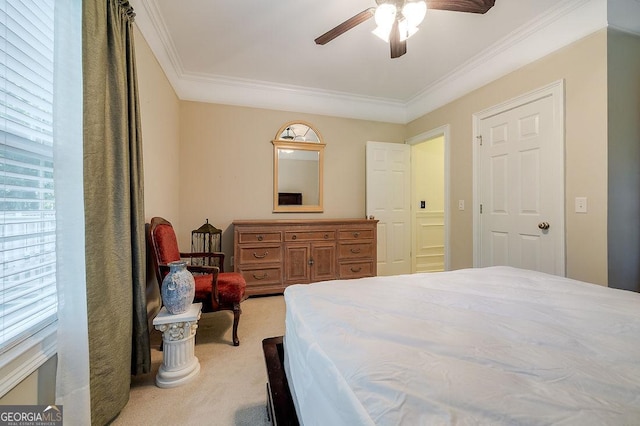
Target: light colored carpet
column 231, row 386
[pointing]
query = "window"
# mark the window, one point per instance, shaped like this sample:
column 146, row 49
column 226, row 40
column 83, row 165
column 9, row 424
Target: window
column 28, row 300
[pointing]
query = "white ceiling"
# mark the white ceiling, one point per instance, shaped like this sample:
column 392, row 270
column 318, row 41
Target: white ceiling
column 261, row 53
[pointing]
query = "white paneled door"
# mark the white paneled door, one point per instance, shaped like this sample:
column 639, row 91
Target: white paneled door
column 520, row 184
column 388, row 199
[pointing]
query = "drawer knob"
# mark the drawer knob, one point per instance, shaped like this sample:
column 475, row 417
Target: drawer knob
column 260, row 256
column 260, row 277
column 355, row 250
column 326, row 236
column 358, row 269
column 260, row 238
column 294, row 237
column 356, row 234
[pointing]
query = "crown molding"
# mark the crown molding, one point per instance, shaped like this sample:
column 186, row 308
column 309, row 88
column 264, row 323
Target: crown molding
column 565, row 23
column 149, row 20
column 257, row 94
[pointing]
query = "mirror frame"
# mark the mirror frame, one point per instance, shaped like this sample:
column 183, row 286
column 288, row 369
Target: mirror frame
column 301, row 146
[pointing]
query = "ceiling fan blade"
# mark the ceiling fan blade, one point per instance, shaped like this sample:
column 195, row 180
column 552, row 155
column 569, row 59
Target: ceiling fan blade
column 471, row 6
column 345, row 26
column 398, row 48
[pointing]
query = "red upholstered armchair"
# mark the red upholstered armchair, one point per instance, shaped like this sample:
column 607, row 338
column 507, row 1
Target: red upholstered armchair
column 217, row 290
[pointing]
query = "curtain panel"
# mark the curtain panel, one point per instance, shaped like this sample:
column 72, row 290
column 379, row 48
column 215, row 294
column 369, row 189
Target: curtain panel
column 114, row 212
column 72, row 373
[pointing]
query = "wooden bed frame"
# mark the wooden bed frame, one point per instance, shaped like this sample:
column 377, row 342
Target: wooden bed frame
column 280, row 408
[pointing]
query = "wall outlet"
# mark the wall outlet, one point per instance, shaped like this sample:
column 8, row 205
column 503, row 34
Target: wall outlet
column 460, row 204
column 581, row 204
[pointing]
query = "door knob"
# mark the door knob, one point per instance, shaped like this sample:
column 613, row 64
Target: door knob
column 543, row 225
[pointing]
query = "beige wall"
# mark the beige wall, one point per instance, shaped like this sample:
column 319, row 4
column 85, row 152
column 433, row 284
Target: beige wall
column 583, row 66
column 160, row 115
column 427, row 169
column 207, row 161
column 217, row 160
column 226, row 165
column 624, row 160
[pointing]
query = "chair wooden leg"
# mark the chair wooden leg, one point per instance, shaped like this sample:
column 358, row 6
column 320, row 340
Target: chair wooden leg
column 236, row 319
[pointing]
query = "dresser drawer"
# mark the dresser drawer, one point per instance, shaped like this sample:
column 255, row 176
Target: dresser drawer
column 355, row 234
column 262, row 276
column 356, row 250
column 320, row 235
column 259, row 237
column 356, row 270
column 264, row 253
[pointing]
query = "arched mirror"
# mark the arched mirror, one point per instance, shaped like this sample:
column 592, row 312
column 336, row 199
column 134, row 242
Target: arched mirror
column 298, row 160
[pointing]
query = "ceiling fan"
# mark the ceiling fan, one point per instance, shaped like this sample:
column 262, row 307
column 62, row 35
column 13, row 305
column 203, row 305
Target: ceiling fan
column 397, row 20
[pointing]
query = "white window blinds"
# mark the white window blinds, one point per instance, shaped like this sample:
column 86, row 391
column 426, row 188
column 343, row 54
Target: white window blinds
column 27, row 204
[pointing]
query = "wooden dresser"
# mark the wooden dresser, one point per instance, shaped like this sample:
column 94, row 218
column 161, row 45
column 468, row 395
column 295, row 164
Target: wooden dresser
column 272, row 254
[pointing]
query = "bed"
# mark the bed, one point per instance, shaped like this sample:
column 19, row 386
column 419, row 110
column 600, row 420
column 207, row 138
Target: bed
column 476, row 346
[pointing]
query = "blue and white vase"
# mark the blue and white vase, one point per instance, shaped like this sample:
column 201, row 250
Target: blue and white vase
column 178, row 288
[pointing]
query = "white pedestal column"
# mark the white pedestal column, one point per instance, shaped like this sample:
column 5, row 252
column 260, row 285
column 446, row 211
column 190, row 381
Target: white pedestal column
column 179, row 363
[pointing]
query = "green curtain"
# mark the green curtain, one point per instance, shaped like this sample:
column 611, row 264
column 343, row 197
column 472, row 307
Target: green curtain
column 114, row 210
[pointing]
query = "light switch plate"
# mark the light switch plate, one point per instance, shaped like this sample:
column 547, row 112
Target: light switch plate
column 581, row 204
column 460, row 204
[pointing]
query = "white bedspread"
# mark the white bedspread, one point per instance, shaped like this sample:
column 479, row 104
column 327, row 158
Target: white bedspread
column 476, row 346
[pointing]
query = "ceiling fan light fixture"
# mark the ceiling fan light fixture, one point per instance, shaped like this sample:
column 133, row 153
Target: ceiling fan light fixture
column 406, row 31
column 414, row 12
column 288, row 135
column 396, row 26
column 386, row 14
column 382, row 33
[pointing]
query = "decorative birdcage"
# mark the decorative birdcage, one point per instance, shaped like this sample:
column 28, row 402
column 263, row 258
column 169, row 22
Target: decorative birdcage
column 206, row 239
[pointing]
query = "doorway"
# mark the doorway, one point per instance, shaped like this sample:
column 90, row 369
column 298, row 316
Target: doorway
column 430, row 200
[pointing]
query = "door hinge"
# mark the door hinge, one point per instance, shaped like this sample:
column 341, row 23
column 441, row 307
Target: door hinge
column 480, row 208
column 479, row 137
